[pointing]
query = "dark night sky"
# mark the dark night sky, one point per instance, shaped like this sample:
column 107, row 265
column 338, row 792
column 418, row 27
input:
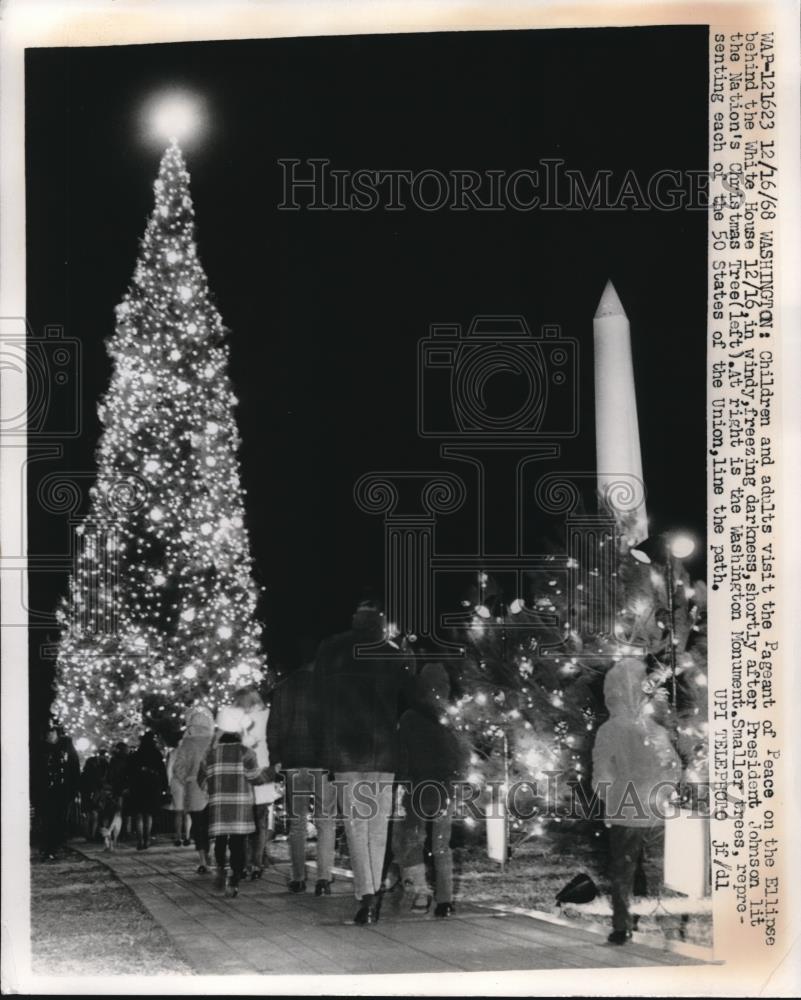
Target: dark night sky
column 326, row 309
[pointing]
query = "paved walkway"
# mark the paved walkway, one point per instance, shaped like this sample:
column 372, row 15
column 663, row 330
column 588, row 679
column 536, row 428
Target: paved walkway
column 268, row 930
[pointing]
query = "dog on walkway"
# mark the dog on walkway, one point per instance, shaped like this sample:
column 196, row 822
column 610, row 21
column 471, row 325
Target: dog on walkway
column 110, row 821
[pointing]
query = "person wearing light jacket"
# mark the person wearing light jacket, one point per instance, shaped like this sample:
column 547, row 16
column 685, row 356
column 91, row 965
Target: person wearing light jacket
column 185, row 766
column 265, row 795
column 635, row 772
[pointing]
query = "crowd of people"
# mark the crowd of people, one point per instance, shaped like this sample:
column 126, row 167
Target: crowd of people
column 347, row 734
column 356, row 734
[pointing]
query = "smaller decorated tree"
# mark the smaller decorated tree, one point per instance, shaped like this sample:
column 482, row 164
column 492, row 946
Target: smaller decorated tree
column 531, row 685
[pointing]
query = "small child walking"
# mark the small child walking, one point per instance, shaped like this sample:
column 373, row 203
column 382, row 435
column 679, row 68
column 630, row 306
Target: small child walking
column 229, row 772
column 432, row 759
column 266, row 794
column 635, row 771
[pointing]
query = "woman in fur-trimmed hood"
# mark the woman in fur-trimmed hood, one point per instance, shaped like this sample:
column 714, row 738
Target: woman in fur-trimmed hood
column 186, row 792
column 188, row 755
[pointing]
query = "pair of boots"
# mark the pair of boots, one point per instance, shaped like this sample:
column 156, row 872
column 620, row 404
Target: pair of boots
column 321, row 888
column 256, row 870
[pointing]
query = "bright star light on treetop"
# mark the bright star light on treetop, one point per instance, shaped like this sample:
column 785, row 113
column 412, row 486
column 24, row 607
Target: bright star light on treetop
column 174, row 114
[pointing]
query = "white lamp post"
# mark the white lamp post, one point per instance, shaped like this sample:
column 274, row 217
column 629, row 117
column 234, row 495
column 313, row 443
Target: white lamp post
column 676, row 546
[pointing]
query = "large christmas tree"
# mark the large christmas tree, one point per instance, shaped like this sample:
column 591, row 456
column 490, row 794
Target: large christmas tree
column 161, row 609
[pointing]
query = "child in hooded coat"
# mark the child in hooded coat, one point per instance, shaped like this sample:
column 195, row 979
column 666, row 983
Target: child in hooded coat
column 635, row 772
column 189, row 754
column 228, row 773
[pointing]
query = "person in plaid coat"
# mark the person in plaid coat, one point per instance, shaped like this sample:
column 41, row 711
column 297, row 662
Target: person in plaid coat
column 228, row 773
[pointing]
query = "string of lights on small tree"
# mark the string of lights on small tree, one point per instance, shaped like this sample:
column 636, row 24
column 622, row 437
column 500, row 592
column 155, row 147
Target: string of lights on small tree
column 167, row 506
column 530, row 688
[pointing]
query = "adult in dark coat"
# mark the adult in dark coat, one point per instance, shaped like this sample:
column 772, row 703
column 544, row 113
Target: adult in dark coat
column 433, row 757
column 116, row 784
column 359, row 699
column 147, row 786
column 294, row 740
column 58, row 781
column 93, row 779
column 116, row 778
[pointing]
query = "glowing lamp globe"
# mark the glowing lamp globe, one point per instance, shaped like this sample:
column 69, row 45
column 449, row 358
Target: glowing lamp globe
column 176, row 114
column 82, row 744
column 682, row 546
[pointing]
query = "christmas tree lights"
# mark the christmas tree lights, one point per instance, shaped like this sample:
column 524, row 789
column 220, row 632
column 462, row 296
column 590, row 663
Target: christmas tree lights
column 167, row 506
column 531, row 683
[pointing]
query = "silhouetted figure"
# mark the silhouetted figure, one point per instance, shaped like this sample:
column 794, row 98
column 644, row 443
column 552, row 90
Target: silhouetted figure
column 93, row 780
column 58, row 782
column 432, row 758
column 295, row 740
column 147, row 786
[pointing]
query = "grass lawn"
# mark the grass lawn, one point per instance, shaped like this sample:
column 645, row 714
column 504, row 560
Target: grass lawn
column 84, row 922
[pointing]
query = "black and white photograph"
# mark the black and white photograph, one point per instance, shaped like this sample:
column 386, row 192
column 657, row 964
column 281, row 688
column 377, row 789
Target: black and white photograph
column 366, row 505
